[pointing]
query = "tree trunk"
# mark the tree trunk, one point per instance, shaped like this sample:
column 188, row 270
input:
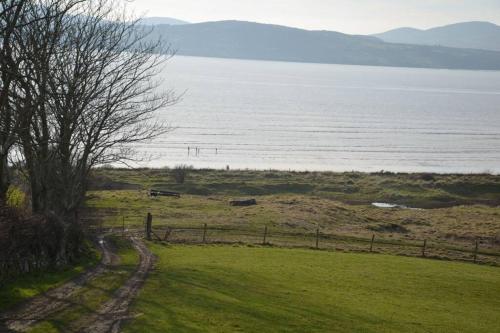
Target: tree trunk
column 4, row 179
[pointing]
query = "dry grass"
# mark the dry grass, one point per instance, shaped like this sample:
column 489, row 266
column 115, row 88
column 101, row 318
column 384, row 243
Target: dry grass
column 294, row 210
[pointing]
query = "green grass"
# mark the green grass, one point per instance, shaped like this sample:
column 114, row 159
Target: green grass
column 94, row 294
column 28, row 286
column 244, row 289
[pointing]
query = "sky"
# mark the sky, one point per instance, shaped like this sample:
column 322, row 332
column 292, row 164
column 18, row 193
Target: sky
column 348, row 16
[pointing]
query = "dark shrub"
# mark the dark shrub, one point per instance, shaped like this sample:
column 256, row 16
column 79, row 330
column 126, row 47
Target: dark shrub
column 180, row 172
column 34, row 243
column 428, row 177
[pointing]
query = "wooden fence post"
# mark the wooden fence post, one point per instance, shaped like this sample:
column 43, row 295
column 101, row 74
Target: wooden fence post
column 317, row 238
column 424, row 248
column 167, row 233
column 371, row 244
column 149, row 223
column 475, row 251
column 265, row 236
column 204, row 233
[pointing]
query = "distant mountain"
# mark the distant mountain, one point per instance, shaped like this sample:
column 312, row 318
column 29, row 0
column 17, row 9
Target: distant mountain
column 474, row 35
column 246, row 40
column 161, row 20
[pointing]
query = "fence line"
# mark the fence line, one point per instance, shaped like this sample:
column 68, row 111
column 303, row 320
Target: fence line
column 317, row 240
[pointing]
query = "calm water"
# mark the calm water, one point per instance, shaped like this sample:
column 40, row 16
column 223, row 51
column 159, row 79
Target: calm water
column 263, row 115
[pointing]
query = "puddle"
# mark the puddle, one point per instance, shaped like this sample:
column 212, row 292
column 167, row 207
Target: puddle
column 389, row 205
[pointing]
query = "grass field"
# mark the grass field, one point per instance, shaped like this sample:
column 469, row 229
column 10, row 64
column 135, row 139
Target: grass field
column 337, row 203
column 246, row 289
column 414, row 190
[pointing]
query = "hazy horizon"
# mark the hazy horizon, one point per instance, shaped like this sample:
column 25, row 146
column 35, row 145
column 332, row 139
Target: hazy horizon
column 362, row 17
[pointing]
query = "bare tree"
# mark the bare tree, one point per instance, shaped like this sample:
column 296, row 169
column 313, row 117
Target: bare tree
column 38, row 44
column 91, row 93
column 77, row 88
column 16, row 17
column 11, row 13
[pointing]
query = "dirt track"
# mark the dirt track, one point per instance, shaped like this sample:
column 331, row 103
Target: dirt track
column 106, row 319
column 113, row 312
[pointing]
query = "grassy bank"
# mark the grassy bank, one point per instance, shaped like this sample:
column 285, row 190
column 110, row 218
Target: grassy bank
column 337, row 203
column 414, row 190
column 241, row 289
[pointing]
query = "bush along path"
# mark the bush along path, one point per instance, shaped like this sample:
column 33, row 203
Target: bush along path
column 97, row 301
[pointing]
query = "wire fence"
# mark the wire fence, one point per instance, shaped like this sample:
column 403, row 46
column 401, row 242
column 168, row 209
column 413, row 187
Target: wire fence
column 481, row 250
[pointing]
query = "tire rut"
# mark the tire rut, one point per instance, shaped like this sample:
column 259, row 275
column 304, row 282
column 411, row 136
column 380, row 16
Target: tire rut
column 109, row 317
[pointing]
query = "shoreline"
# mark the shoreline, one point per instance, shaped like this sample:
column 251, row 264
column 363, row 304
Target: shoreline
column 305, row 171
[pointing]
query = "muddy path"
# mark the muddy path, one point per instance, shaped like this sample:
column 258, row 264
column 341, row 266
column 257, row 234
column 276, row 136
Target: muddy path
column 21, row 318
column 109, row 317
